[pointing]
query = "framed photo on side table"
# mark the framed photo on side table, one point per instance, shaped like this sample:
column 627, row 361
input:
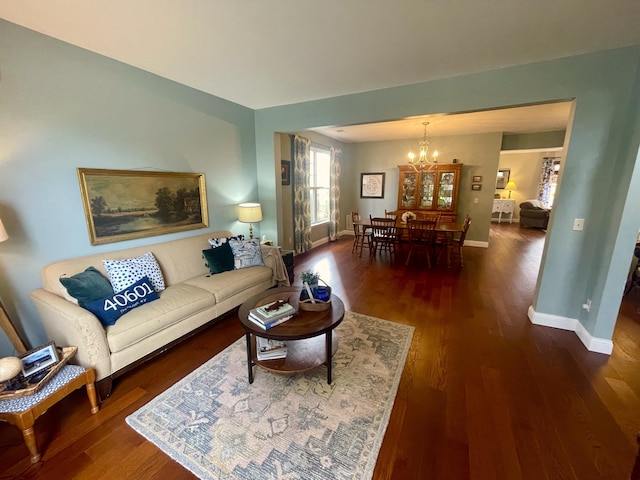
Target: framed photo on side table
column 39, row 359
column 372, row 185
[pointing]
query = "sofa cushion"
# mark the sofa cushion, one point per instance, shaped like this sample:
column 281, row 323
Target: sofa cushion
column 123, row 273
column 227, row 284
column 176, row 303
column 246, row 253
column 110, row 309
column 219, row 259
column 86, row 287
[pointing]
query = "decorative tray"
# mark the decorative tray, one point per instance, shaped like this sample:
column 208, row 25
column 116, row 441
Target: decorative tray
column 316, row 304
column 65, row 353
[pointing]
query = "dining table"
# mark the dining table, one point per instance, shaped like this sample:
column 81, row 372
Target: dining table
column 448, row 229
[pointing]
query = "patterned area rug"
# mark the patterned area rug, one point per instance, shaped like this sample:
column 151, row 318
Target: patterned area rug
column 217, row 425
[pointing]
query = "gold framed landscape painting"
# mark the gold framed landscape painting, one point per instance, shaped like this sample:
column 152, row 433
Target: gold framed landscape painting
column 126, row 204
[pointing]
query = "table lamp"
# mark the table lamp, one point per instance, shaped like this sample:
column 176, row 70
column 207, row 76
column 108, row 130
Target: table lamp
column 250, row 213
column 5, row 322
column 511, row 185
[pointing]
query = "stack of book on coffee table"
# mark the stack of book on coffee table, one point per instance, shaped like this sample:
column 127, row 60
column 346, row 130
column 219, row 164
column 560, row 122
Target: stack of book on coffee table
column 268, row 349
column 272, row 314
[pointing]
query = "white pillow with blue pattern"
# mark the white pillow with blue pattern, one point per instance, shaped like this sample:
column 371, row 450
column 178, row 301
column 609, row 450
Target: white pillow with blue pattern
column 246, row 253
column 124, row 273
column 216, row 242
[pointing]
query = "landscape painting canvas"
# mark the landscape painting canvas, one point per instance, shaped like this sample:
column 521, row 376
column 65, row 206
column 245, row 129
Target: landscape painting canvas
column 125, row 204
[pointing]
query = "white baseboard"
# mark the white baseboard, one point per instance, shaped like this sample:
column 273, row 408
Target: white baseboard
column 593, row 344
column 476, row 243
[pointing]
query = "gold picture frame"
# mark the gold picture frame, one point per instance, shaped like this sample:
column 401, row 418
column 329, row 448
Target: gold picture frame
column 122, row 205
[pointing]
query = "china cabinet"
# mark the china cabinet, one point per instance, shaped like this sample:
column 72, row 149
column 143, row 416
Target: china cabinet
column 433, row 188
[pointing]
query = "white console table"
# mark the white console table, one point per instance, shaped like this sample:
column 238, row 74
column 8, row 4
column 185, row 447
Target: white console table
column 504, row 207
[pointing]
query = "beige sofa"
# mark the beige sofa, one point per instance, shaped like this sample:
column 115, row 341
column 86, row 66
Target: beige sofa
column 192, row 298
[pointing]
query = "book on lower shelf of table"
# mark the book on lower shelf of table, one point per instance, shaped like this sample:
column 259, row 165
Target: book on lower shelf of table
column 269, row 349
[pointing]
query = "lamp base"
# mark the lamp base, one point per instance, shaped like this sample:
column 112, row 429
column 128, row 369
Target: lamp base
column 251, row 231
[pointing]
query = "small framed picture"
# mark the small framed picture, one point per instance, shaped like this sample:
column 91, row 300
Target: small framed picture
column 285, row 172
column 477, row 178
column 476, row 186
column 372, row 185
column 39, row 359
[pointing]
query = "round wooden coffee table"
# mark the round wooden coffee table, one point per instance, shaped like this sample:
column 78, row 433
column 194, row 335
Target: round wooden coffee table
column 306, row 349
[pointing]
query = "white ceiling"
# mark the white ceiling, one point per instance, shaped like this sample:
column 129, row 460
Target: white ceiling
column 264, row 53
column 527, row 119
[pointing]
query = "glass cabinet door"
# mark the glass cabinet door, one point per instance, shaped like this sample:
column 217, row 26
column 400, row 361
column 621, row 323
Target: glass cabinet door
column 409, row 189
column 427, row 184
column 446, row 182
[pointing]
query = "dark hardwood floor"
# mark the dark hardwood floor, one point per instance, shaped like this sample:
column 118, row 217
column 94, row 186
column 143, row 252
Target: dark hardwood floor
column 484, row 394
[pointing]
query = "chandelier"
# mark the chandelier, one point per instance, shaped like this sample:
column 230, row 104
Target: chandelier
column 423, row 157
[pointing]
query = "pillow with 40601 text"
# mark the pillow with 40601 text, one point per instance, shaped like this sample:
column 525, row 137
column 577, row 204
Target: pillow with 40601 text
column 111, row 308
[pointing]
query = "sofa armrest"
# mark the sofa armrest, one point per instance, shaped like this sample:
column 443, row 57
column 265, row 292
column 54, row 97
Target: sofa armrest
column 68, row 324
column 273, row 259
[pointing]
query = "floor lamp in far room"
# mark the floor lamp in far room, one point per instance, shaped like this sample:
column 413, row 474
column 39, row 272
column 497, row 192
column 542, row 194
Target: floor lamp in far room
column 5, row 321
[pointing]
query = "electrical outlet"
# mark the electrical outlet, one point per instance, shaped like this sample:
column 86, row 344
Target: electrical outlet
column 587, row 306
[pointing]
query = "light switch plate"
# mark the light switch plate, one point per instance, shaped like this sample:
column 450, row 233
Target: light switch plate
column 578, row 224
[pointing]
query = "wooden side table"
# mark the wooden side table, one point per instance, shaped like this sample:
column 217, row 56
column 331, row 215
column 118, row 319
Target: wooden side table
column 24, row 411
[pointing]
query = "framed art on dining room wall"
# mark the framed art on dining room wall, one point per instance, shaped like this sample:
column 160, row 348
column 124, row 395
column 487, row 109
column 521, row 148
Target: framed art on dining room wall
column 126, row 204
column 372, row 185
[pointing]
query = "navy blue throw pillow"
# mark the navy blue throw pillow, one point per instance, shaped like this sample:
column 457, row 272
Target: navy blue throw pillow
column 110, row 309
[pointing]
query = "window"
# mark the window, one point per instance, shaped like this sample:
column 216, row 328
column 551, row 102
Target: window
column 320, row 173
column 553, row 182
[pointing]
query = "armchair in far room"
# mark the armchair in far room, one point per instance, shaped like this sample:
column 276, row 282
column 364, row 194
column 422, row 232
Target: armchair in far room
column 534, row 214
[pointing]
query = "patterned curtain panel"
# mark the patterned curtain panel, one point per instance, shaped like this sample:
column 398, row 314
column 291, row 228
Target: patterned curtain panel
column 301, row 196
column 334, row 195
column 544, row 187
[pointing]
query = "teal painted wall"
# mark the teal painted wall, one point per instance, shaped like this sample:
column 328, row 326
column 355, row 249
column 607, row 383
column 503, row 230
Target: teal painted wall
column 62, row 107
column 576, row 265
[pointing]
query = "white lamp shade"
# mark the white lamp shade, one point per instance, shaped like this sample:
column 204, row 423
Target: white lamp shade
column 250, row 213
column 3, row 233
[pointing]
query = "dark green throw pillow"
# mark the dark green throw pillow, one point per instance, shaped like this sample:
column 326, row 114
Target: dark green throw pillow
column 87, row 286
column 219, row 259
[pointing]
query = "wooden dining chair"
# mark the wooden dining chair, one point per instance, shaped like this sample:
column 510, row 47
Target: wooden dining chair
column 421, row 236
column 457, row 242
column 362, row 238
column 383, row 235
